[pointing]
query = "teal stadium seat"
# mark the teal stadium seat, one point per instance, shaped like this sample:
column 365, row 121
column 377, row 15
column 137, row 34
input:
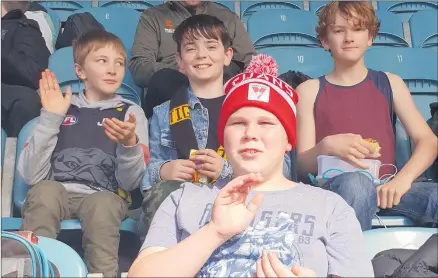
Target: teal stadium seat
column 122, row 22
column 288, row 27
column 379, row 240
column 70, row 264
column 135, row 5
column 316, row 6
column 405, row 9
column 314, row 62
column 61, row 63
column 424, row 30
column 390, row 31
column 247, row 8
column 418, row 67
column 65, row 8
column 20, row 189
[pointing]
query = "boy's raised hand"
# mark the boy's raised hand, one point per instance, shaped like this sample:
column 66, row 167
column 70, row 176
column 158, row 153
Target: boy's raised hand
column 52, row 99
column 121, row 132
column 231, row 215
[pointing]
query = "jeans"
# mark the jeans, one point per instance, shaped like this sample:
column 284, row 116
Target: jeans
column 418, row 204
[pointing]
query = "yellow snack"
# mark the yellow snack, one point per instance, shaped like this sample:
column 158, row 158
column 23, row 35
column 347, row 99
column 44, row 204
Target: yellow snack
column 374, row 143
column 197, row 178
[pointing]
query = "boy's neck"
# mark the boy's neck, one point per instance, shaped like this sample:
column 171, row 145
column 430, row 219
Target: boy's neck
column 348, row 74
column 92, row 96
column 208, row 90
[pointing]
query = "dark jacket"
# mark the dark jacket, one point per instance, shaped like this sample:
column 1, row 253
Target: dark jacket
column 24, row 51
column 405, row 263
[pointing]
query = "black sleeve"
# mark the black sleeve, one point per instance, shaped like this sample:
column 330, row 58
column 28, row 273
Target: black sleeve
column 26, row 57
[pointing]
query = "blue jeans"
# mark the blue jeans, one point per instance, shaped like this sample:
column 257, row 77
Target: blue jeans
column 418, row 204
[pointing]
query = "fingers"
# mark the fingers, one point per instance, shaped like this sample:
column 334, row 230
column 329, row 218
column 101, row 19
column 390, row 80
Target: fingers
column 356, row 153
column 356, row 162
column 387, row 197
column 382, row 193
column 68, row 94
column 266, row 266
column 255, row 203
column 259, row 269
column 131, row 118
column 278, row 267
column 245, row 180
column 300, row 271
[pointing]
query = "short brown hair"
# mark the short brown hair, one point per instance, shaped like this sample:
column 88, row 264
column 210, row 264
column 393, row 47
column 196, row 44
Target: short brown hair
column 94, row 40
column 364, row 17
column 201, row 25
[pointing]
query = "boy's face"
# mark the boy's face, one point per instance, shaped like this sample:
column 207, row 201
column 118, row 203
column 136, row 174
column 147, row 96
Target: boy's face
column 255, row 141
column 346, row 41
column 103, row 71
column 203, row 60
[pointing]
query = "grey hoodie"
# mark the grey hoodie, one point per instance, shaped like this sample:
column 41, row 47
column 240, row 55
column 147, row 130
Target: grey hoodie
column 154, row 47
column 34, row 161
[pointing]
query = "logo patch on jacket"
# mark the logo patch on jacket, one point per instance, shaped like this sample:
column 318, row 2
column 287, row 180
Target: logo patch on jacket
column 168, row 26
column 70, row 120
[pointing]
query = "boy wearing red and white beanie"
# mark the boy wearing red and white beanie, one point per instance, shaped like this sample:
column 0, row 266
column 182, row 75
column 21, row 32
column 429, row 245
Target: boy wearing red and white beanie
column 260, row 224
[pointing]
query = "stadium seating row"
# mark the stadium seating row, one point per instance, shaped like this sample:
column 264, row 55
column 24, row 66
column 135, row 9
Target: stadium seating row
column 403, row 9
column 297, row 27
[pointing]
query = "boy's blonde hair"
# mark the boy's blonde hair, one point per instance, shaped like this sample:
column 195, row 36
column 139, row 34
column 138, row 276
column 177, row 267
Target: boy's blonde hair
column 360, row 13
column 94, row 40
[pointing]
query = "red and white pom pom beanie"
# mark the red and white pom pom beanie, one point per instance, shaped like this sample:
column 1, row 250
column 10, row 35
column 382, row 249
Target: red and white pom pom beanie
column 257, row 87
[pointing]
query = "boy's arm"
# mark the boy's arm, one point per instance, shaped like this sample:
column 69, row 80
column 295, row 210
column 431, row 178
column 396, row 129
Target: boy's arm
column 307, row 149
column 131, row 161
column 158, row 156
column 34, row 161
column 162, row 245
column 426, row 143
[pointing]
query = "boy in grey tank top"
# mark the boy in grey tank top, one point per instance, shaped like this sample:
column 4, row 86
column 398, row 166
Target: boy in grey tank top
column 259, row 224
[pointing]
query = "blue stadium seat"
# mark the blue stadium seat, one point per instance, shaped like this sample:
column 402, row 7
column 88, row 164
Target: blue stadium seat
column 316, row 6
column 418, row 67
column 405, row 9
column 135, row 5
column 286, row 27
column 20, row 189
column 247, row 8
column 390, row 31
column 61, row 63
column 378, row 240
column 65, row 8
column 314, row 62
column 391, row 221
column 70, row 264
column 424, row 31
column 122, row 22
column 3, row 138
column 403, row 148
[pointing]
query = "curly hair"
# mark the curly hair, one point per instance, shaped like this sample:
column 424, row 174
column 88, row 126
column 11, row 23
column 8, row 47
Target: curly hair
column 360, row 13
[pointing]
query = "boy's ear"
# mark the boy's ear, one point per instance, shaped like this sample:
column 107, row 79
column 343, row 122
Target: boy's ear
column 79, row 72
column 288, row 147
column 228, row 56
column 179, row 61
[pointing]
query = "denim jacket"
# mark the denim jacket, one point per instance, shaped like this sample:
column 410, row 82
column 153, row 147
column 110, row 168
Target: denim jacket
column 162, row 146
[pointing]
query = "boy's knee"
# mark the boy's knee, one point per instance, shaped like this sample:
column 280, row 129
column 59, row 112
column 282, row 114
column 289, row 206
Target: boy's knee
column 104, row 207
column 355, row 184
column 46, row 191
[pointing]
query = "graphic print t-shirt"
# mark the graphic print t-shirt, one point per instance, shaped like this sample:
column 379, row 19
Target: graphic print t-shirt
column 307, row 226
